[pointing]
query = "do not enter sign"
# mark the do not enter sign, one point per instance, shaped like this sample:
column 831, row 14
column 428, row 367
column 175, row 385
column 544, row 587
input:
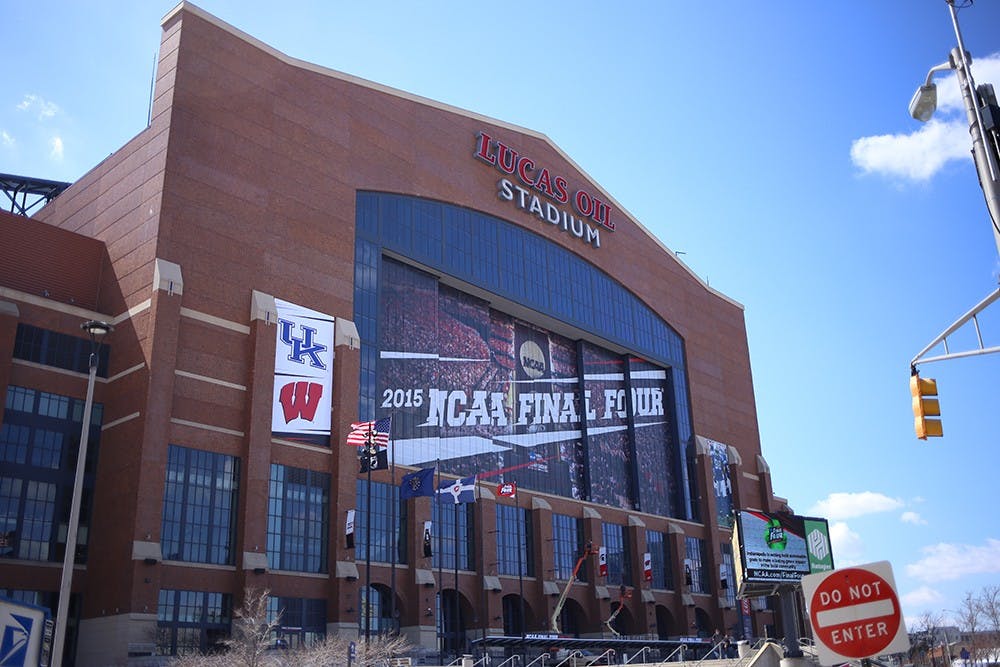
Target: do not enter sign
column 855, row 613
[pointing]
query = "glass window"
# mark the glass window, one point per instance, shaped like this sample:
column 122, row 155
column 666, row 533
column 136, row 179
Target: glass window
column 191, row 622
column 376, row 602
column 297, row 519
column 727, row 574
column 199, row 505
column 658, row 545
column 619, row 559
column 39, row 441
column 449, row 535
column 567, row 545
column 301, row 622
column 514, row 541
column 58, row 350
column 383, row 523
column 694, row 571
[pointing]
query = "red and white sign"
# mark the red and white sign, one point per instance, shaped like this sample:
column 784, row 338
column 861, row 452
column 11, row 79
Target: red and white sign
column 855, row 613
column 507, row 489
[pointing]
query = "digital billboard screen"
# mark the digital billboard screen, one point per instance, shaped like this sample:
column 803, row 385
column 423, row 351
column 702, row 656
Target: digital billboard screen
column 779, row 548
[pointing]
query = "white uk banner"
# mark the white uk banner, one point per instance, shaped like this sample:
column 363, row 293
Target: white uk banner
column 303, row 374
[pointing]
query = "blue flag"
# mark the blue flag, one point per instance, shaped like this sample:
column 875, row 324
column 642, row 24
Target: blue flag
column 462, row 490
column 419, row 483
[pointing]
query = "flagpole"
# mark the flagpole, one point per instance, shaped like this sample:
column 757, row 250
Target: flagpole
column 394, row 529
column 520, row 563
column 454, row 618
column 438, row 603
column 483, row 604
column 368, row 535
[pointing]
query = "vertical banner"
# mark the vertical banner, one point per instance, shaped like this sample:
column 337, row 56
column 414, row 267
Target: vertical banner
column 647, row 566
column 602, row 561
column 428, row 551
column 349, row 529
column 303, row 375
column 721, row 482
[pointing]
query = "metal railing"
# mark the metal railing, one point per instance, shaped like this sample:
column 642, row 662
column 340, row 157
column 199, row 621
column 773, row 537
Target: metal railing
column 680, row 649
column 641, row 652
column 543, row 658
column 513, row 660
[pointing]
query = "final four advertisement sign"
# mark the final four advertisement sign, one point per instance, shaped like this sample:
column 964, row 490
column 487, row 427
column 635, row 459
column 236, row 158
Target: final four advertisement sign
column 855, row 613
column 778, row 549
column 303, row 375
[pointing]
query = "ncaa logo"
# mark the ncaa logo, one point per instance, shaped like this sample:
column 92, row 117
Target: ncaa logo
column 532, row 359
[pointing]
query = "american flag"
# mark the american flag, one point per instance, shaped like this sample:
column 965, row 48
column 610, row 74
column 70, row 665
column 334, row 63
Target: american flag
column 377, row 431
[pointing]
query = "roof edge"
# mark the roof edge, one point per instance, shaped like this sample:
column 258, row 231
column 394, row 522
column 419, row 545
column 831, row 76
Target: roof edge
column 194, row 9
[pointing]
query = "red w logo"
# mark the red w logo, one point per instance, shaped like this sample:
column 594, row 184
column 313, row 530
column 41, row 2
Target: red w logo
column 300, row 400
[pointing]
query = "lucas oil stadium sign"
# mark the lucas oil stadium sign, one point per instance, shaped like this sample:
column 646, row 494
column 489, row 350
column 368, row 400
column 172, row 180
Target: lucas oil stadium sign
column 544, row 194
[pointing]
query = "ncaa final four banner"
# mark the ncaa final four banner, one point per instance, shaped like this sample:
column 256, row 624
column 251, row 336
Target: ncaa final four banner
column 303, row 375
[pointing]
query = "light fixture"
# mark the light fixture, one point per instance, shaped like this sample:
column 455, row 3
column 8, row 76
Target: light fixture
column 97, row 330
column 924, row 101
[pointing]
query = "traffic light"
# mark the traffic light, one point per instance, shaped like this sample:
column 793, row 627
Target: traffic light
column 924, row 407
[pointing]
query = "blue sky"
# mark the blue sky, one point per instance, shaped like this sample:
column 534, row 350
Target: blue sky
column 768, row 143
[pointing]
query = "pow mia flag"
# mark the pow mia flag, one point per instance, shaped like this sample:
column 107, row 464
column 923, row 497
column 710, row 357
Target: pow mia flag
column 374, row 458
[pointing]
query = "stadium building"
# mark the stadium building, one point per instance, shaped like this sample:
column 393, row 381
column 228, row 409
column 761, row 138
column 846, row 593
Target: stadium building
column 286, row 250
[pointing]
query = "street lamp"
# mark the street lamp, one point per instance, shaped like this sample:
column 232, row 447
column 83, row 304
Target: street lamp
column 97, row 330
column 984, row 120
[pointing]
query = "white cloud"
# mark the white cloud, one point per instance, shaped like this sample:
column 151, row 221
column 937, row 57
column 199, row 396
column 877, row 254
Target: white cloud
column 56, row 148
column 916, row 156
column 946, row 562
column 35, row 104
column 840, row 506
column 912, row 517
column 919, row 155
column 6, row 139
column 922, row 597
column 848, row 548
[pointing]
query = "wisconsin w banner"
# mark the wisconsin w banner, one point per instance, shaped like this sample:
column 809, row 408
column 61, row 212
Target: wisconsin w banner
column 602, row 561
column 303, row 375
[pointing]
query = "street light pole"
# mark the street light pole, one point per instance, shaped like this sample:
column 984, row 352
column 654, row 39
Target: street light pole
column 96, row 330
column 983, row 114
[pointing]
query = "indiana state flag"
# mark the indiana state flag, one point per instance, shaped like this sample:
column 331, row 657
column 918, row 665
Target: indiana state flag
column 419, row 483
column 462, row 490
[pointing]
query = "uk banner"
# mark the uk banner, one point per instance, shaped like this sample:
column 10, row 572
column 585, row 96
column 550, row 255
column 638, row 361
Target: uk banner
column 303, row 375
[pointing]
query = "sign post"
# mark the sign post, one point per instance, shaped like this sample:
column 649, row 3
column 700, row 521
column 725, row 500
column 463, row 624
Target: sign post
column 855, row 613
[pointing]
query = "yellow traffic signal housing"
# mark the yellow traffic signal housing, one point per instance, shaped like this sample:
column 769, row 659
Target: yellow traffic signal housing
column 924, row 407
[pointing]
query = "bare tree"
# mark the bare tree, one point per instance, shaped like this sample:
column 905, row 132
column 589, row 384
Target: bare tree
column 923, row 639
column 253, row 635
column 989, row 607
column 333, row 652
column 252, row 630
column 970, row 615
